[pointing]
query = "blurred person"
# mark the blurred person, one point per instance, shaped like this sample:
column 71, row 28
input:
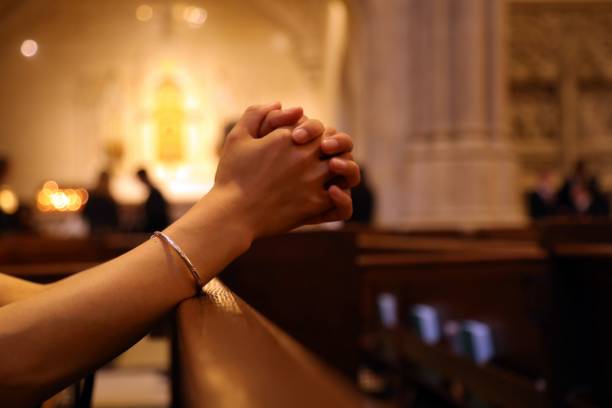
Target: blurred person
column 583, row 201
column 101, row 210
column 581, row 193
column 50, row 336
column 155, row 206
column 579, row 176
column 543, row 201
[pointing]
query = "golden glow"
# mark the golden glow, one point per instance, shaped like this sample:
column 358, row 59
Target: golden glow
column 144, row 12
column 195, row 16
column 9, row 203
column 182, row 161
column 170, row 117
column 52, row 198
column 29, row 48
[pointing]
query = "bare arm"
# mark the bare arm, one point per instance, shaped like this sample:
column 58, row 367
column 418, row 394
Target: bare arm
column 50, row 340
column 13, row 289
column 263, row 186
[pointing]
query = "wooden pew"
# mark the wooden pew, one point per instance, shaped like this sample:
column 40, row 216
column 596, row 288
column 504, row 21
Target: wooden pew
column 316, row 278
column 378, row 242
column 568, row 230
column 28, row 249
column 230, row 356
column 509, row 291
column 265, row 367
column 581, row 250
column 511, row 278
column 312, row 285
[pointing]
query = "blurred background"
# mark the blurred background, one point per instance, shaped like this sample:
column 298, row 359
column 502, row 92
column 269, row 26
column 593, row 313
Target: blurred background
column 458, row 110
column 473, row 120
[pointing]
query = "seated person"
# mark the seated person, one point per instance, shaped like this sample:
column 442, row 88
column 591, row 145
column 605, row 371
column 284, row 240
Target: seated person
column 580, row 178
column 542, row 201
column 155, row 206
column 53, row 335
column 101, row 210
column 586, row 202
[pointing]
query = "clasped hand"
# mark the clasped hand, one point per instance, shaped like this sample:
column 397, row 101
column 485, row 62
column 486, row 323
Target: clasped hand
column 285, row 170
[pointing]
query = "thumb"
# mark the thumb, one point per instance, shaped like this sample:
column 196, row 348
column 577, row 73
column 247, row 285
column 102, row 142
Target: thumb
column 253, row 117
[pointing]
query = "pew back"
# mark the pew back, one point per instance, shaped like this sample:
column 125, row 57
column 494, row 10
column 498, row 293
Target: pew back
column 508, row 291
column 230, row 356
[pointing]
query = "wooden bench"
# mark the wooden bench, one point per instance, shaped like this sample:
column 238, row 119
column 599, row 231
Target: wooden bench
column 31, row 249
column 229, row 356
column 508, row 291
column 266, row 365
column 321, row 288
column 317, row 278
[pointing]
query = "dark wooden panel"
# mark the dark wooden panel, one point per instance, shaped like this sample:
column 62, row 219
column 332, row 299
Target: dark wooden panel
column 307, row 284
column 27, row 249
column 558, row 231
column 45, row 272
column 583, row 284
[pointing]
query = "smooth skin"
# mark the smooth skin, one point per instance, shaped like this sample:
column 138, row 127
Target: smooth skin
column 50, row 336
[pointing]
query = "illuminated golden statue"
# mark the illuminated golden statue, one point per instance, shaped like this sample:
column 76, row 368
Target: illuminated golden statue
column 169, row 118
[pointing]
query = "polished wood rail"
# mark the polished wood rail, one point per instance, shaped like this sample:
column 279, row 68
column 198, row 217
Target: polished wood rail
column 228, row 355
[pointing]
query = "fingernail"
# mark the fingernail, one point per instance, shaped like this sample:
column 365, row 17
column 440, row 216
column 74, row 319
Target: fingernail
column 300, row 135
column 330, row 144
column 273, row 104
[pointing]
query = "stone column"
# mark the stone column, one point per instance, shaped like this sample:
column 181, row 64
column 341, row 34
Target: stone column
column 468, row 178
column 379, row 99
column 469, row 76
column 433, row 101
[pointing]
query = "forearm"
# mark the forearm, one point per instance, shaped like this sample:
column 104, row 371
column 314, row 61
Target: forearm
column 13, row 289
column 52, row 339
column 263, row 185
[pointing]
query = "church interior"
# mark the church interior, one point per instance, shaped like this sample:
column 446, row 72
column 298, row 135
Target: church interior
column 474, row 271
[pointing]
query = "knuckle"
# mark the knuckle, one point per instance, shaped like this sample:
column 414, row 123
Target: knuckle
column 317, row 124
column 303, row 155
column 272, row 118
column 252, row 108
column 232, row 137
column 280, row 135
column 283, row 134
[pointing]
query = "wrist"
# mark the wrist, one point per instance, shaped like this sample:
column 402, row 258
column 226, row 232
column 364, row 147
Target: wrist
column 226, row 205
column 217, row 216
